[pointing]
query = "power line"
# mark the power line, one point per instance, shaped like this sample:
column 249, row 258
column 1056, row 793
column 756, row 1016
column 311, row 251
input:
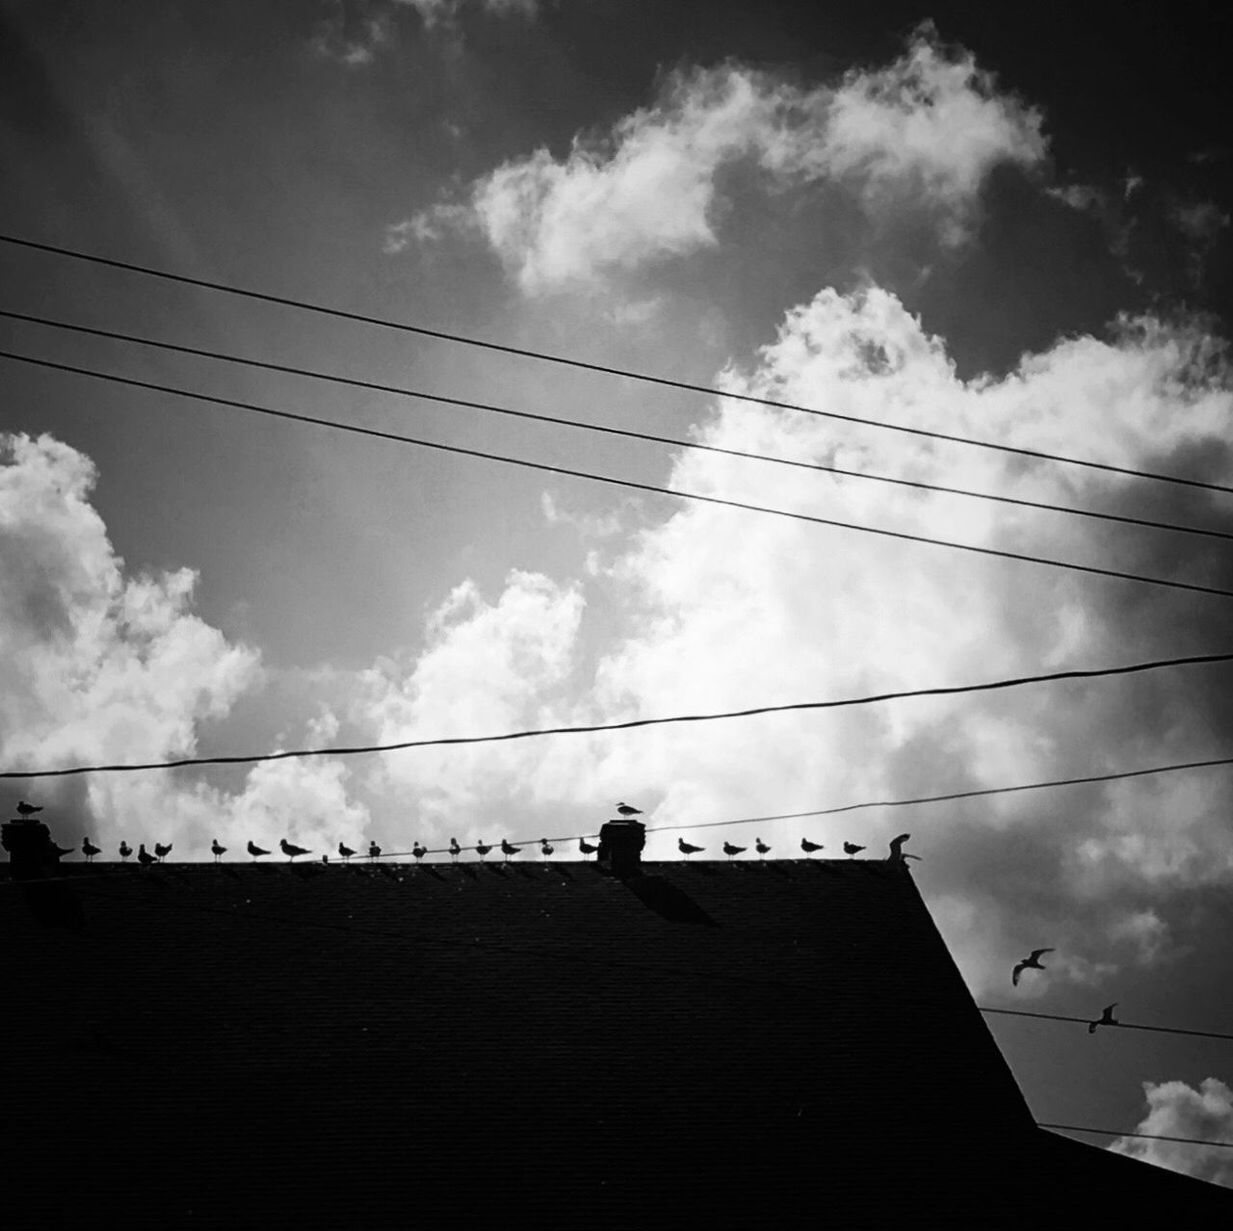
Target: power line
column 1117, row 1132
column 872, row 699
column 609, row 430
column 1086, row 1021
column 584, row 365
column 544, row 467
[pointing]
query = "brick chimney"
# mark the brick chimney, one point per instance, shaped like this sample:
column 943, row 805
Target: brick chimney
column 32, row 854
column 620, row 847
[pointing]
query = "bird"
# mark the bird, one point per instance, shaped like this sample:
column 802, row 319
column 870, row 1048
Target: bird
column 481, row 850
column 809, row 847
column 1106, row 1018
column 255, row 851
column 89, row 850
column 216, row 850
column 545, row 847
column 586, row 847
column 508, row 850
column 731, row 850
column 418, row 851
column 290, row 850
column 1029, row 963
column 125, row 851
column 345, row 851
column 851, row 848
column 628, row 810
column 144, row 857
column 28, row 809
column 374, row 851
column 762, row 848
column 896, row 849
column 162, row 851
column 455, row 850
column 687, row 848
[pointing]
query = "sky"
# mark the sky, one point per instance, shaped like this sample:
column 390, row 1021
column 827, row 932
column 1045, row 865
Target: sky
column 984, row 221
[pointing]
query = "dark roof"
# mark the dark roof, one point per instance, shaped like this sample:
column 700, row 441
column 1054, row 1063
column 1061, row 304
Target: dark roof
column 724, row 1043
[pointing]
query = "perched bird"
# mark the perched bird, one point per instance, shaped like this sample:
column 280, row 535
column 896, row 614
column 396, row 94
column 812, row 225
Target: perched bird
column 762, row 848
column 162, row 851
column 627, row 810
column 731, row 850
column 89, row 850
column 255, row 851
column 545, row 847
column 586, row 848
column 28, row 809
column 1106, row 1018
column 374, row 851
column 896, row 848
column 851, row 848
column 290, row 850
column 345, row 851
column 455, row 850
column 809, row 847
column 1029, row 963
column 216, row 850
column 144, row 857
column 125, row 851
column 481, row 850
column 418, row 851
column 687, row 848
column 508, row 850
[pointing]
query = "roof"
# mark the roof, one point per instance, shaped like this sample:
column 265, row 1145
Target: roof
column 726, row 1042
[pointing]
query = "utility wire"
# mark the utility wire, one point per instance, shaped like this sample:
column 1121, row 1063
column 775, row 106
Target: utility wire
column 1117, row 1132
column 1085, row 1021
column 584, row 365
column 608, row 430
column 872, row 699
column 544, row 467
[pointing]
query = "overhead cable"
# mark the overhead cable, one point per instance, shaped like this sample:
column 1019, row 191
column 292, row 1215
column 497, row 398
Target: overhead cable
column 1117, row 1132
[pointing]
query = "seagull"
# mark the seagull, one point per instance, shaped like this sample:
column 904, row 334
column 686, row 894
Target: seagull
column 546, row 847
column 455, row 850
column 374, row 851
column 809, row 847
column 28, row 809
column 686, row 848
column 508, row 849
column 586, row 848
column 255, row 851
column 851, row 848
column 731, row 850
column 162, row 851
column 144, row 857
column 1028, row 963
column 896, row 848
column 418, row 851
column 762, row 848
column 291, row 851
column 125, row 851
column 627, row 810
column 345, row 851
column 1106, row 1018
column 481, row 850
column 88, row 850
column 217, row 851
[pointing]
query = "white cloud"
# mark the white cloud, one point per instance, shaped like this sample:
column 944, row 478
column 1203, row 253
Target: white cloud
column 926, row 130
column 1176, row 1109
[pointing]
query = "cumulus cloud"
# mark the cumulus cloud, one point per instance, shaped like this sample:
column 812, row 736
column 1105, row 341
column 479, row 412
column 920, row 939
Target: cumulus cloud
column 924, row 131
column 1176, row 1109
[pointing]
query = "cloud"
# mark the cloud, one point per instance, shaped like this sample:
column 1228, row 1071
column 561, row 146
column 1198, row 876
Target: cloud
column 1176, row 1109
column 923, row 132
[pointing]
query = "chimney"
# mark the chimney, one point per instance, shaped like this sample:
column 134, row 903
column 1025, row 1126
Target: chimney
column 620, row 847
column 32, row 854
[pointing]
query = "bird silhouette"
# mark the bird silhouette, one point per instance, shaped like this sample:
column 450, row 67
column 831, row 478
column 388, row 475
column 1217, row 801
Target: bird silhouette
column 507, row 849
column 545, row 847
column 896, row 849
column 216, row 850
column 374, row 851
column 1029, row 963
column 162, row 851
column 851, row 848
column 255, row 851
column 731, row 850
column 125, row 851
column 481, row 850
column 762, row 848
column 28, row 809
column 144, row 857
column 455, row 850
column 809, row 847
column 290, row 850
column 687, row 848
column 1106, row 1018
column 89, row 850
column 628, row 810
column 418, row 851
column 586, row 848
column 345, row 851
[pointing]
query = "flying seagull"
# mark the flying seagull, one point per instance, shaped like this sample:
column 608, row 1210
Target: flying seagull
column 418, row 851
column 762, row 848
column 627, row 810
column 455, row 850
column 546, row 847
column 290, row 850
column 28, row 809
column 162, row 851
column 1106, row 1018
column 507, row 849
column 850, row 849
column 374, row 851
column 481, row 850
column 731, row 850
column 216, row 850
column 144, row 857
column 1029, row 963
column 809, row 847
column 89, row 850
column 125, row 851
column 586, row 848
column 345, row 851
column 687, row 848
column 255, row 851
